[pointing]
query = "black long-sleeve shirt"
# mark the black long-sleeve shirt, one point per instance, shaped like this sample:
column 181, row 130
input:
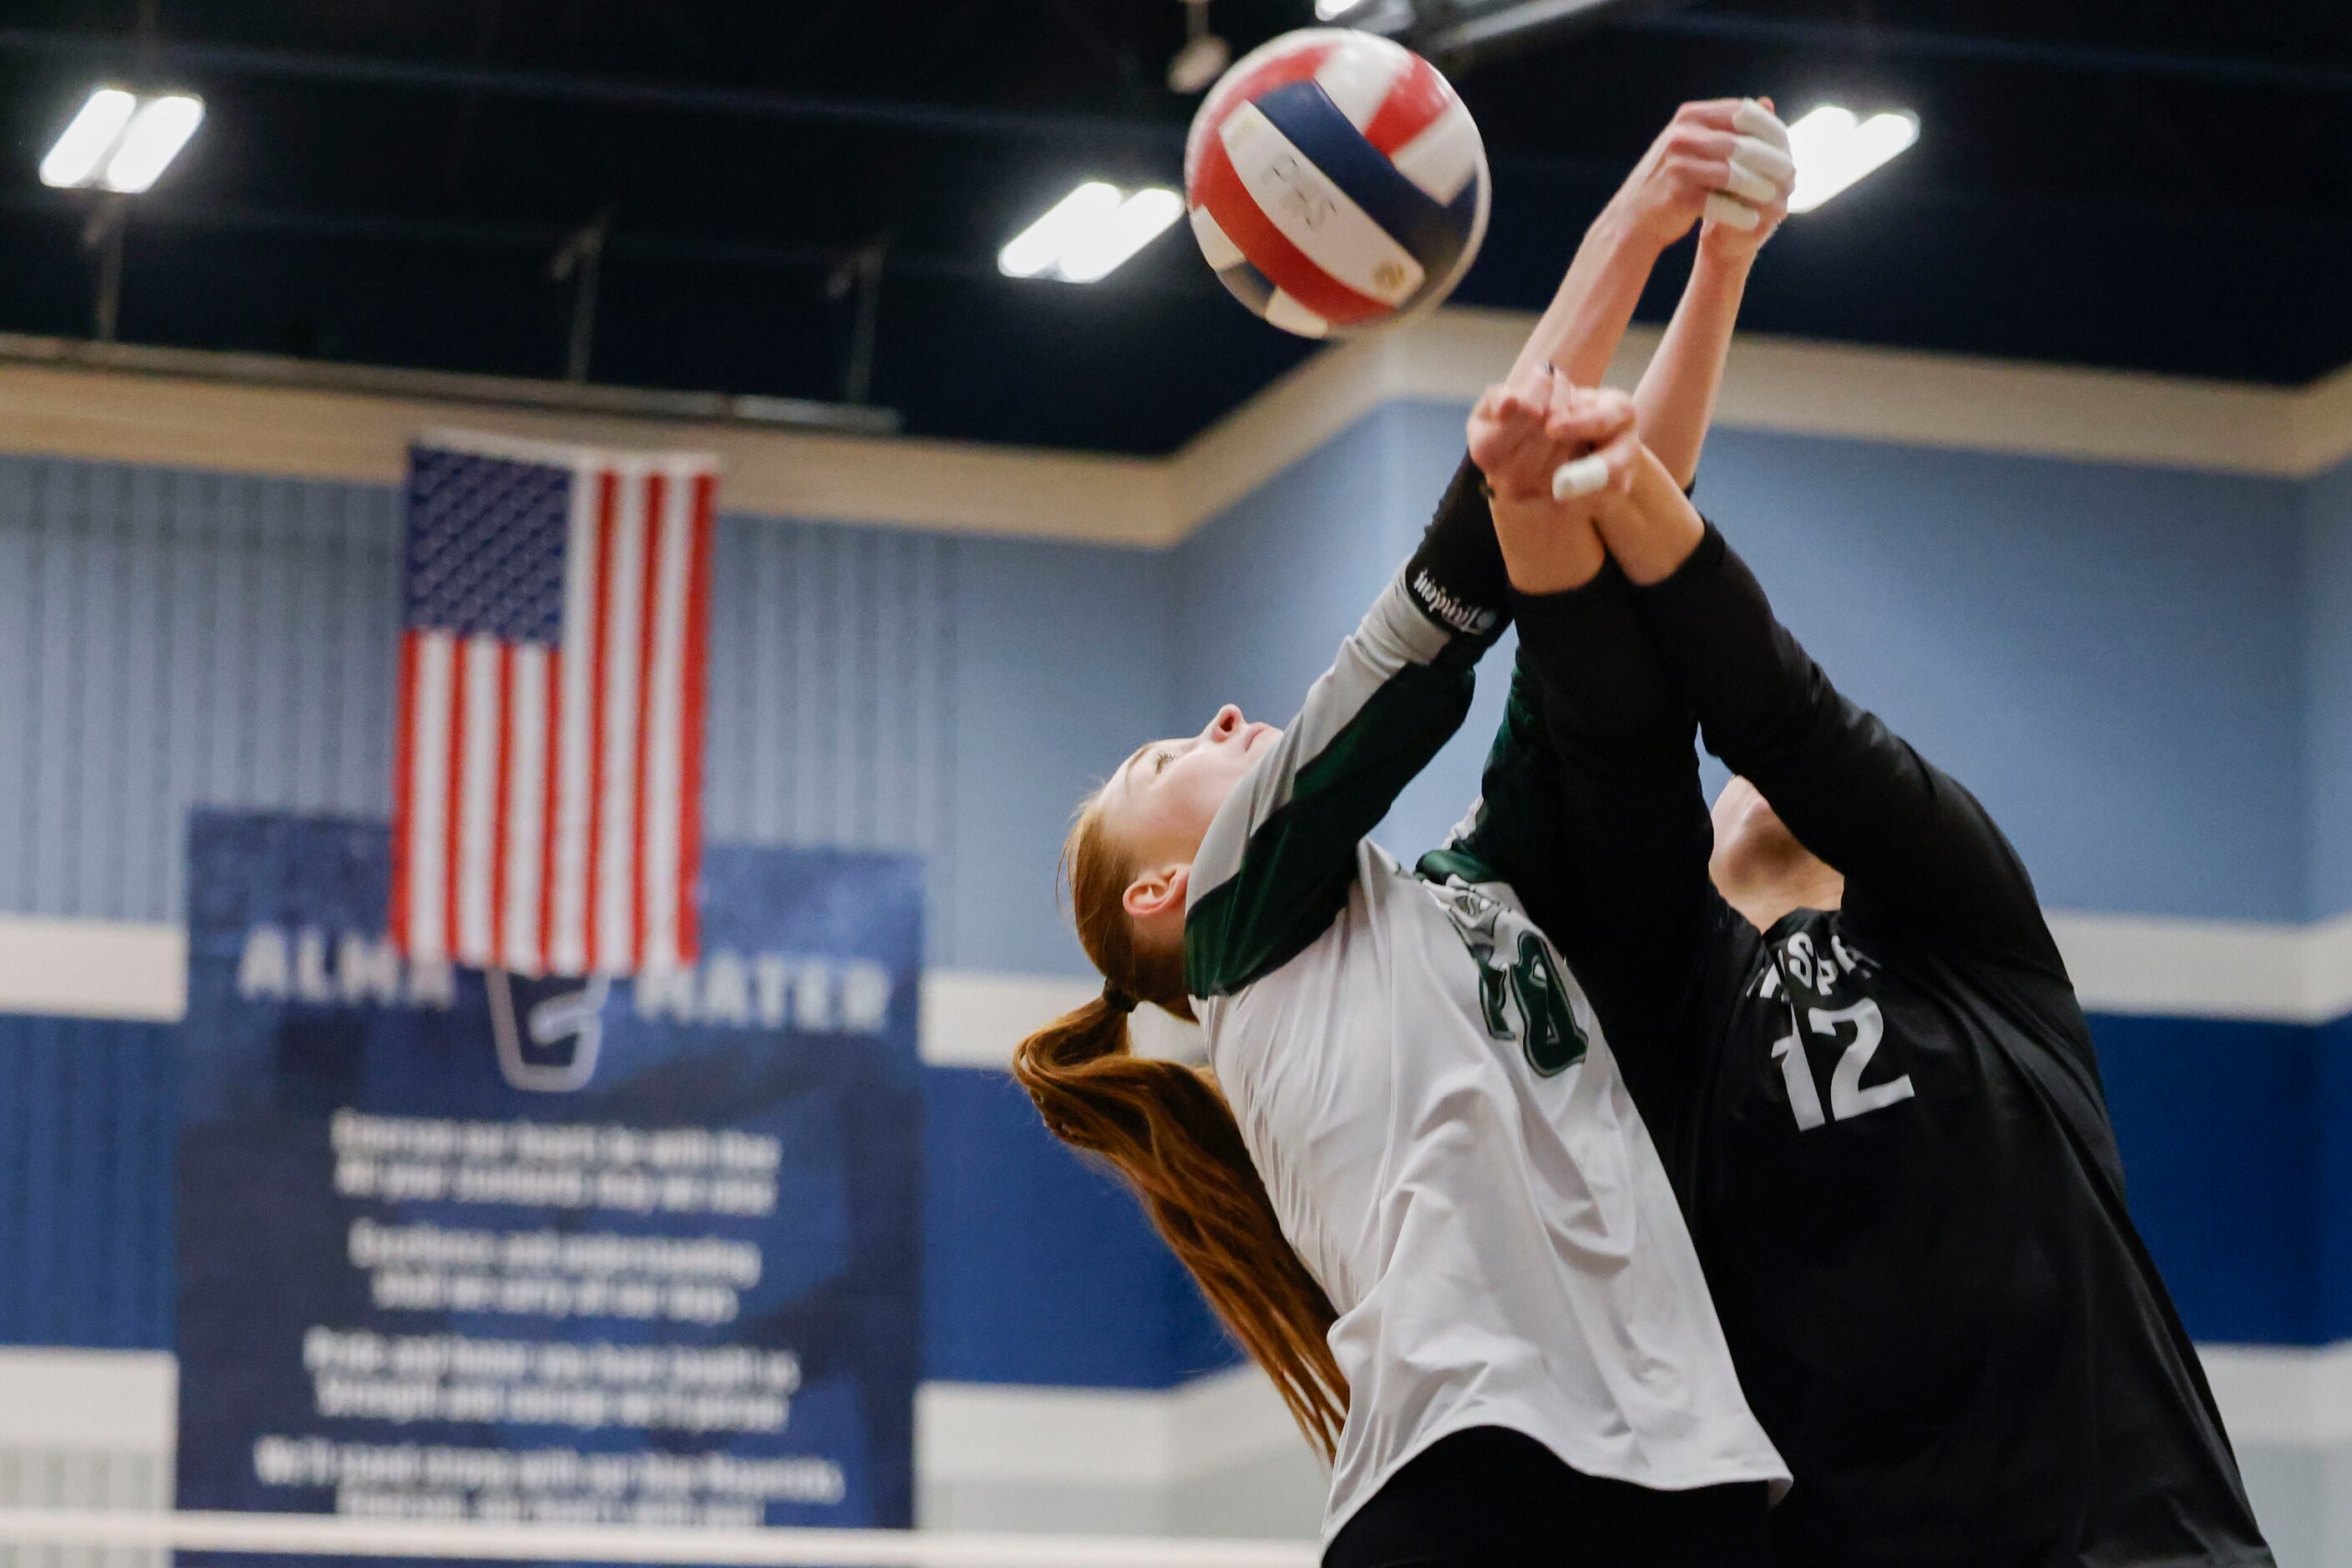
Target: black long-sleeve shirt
column 1886, row 1122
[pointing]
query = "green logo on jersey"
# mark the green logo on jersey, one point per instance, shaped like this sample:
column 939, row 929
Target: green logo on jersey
column 1522, row 999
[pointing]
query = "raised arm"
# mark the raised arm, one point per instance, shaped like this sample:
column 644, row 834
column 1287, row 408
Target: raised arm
column 1682, row 179
column 1598, row 751
column 1677, row 395
column 1914, row 846
column 1280, row 855
column 1712, row 152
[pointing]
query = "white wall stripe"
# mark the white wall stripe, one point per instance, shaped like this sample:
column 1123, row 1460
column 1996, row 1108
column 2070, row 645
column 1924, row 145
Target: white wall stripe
column 2294, row 1395
column 93, row 969
column 2201, row 968
column 109, row 969
column 2190, row 969
column 974, row 1019
column 88, row 1399
column 2209, row 969
column 994, row 1432
column 2328, row 969
column 2289, row 1396
column 1773, row 384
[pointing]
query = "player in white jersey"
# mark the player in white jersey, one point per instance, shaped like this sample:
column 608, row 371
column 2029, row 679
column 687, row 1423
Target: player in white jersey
column 1413, row 1185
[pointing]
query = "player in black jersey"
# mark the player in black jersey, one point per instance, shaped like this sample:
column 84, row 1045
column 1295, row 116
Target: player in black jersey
column 1855, row 1044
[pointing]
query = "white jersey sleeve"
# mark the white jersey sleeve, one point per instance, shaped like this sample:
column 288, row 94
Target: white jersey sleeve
column 1280, row 856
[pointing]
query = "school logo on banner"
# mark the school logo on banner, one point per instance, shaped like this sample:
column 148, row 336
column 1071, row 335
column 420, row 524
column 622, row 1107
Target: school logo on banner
column 458, row 1245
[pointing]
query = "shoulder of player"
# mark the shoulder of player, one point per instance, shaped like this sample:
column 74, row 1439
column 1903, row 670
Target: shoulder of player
column 1221, row 970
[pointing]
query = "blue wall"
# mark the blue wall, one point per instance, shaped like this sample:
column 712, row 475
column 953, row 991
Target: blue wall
column 2110, row 657
column 1267, row 591
column 1060, row 671
column 171, row 637
column 2146, row 674
column 2328, row 578
column 1037, row 1268
column 1038, row 1271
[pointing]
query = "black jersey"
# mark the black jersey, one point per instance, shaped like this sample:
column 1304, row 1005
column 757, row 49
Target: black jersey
column 1885, row 1123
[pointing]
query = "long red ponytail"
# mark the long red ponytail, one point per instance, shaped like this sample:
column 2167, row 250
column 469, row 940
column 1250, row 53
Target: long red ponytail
column 1167, row 1130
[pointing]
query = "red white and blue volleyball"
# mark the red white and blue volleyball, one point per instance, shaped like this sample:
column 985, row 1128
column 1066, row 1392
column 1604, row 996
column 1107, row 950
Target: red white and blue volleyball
column 1336, row 182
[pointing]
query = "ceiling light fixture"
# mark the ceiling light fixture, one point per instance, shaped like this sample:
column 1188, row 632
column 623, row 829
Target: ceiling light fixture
column 1833, row 147
column 1088, row 234
column 120, row 141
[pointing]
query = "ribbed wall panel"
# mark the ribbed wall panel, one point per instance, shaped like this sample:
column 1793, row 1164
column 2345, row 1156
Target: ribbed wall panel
column 172, row 638
column 126, row 1482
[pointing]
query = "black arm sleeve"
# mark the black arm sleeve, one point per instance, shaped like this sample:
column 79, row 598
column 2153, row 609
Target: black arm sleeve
column 1915, row 846
column 1629, row 903
column 1457, row 575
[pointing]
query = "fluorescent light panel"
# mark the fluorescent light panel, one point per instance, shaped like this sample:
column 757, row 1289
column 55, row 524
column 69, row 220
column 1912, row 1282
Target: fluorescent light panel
column 1091, row 233
column 1833, row 147
column 84, row 144
column 120, row 142
column 151, row 140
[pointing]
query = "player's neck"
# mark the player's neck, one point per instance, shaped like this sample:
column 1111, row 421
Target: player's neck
column 1764, row 901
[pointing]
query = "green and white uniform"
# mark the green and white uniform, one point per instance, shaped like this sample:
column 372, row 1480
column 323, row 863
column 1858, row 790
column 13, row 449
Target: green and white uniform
column 1433, row 1108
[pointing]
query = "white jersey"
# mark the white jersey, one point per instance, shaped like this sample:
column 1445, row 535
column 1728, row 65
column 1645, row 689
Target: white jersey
column 1437, row 1119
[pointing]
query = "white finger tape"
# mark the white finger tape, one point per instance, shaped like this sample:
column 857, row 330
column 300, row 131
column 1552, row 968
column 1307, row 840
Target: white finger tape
column 1732, row 212
column 1761, row 158
column 1580, row 478
column 1752, row 119
column 1751, row 186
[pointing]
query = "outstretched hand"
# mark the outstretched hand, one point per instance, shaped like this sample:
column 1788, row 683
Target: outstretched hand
column 1764, row 176
column 1538, row 438
column 1724, row 161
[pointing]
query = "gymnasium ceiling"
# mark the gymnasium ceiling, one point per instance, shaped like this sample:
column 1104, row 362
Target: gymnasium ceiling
column 2152, row 184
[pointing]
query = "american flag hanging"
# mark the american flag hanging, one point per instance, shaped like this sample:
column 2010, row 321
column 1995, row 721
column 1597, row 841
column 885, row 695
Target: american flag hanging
column 553, row 668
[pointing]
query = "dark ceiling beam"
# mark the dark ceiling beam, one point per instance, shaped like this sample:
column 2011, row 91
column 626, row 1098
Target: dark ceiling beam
column 100, row 52
column 1465, row 34
column 165, row 215
column 1914, row 44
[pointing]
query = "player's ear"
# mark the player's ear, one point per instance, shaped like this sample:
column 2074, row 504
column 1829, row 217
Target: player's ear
column 1156, row 889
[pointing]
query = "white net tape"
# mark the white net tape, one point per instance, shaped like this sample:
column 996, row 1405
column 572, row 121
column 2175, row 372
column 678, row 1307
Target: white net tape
column 330, row 1535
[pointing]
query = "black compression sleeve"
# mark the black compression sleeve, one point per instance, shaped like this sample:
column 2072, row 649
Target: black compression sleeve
column 1458, row 577
column 1913, row 842
column 1631, row 905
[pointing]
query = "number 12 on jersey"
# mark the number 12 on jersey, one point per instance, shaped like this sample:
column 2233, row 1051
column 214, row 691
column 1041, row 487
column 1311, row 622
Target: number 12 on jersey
column 1848, row 1098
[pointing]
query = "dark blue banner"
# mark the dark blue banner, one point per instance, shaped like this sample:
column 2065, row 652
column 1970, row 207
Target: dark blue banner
column 465, row 1245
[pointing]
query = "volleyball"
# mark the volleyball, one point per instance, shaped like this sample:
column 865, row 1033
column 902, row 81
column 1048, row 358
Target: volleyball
column 1336, row 183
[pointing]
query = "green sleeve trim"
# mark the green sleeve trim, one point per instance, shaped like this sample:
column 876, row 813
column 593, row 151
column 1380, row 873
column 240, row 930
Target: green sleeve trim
column 1440, row 864
column 1301, row 862
column 1513, row 837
